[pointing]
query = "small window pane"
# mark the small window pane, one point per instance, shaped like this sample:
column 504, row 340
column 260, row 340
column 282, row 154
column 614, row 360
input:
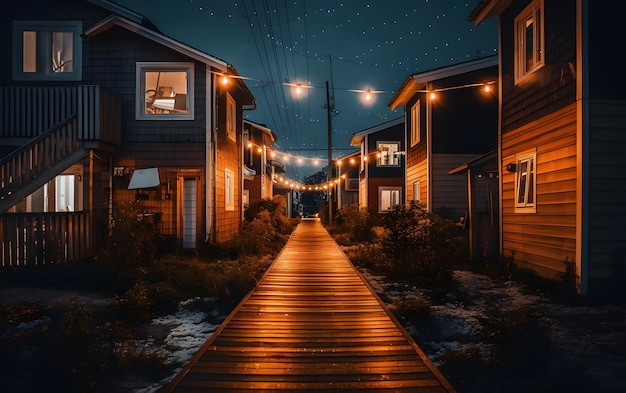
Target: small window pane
column 166, row 92
column 29, row 51
column 530, row 47
column 387, row 154
column 62, row 51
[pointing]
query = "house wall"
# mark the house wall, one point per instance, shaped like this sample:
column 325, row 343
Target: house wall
column 546, row 240
column 554, row 85
column 607, row 194
column 227, row 222
column 449, row 193
column 176, row 147
column 417, row 172
column 372, row 190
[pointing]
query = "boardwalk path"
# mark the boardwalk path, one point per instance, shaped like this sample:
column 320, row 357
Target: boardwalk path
column 312, row 324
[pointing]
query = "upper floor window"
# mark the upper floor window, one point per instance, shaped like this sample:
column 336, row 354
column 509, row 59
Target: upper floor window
column 525, row 182
column 415, row 123
column 164, row 91
column 529, row 40
column 388, row 153
column 231, row 117
column 47, row 50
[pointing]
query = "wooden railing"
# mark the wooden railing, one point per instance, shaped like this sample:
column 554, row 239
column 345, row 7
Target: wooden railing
column 35, row 239
column 37, row 156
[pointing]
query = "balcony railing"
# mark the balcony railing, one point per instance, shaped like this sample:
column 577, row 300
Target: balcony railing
column 28, row 111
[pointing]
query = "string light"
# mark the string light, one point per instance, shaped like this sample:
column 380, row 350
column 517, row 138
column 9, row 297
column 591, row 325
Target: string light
column 367, row 96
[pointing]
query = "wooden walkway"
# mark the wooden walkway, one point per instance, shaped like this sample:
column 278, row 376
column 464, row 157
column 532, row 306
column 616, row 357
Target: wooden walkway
column 312, row 324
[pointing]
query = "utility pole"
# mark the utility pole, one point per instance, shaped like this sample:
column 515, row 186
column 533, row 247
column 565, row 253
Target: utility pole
column 330, row 155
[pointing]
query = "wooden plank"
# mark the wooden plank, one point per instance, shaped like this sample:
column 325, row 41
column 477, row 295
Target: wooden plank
column 311, row 324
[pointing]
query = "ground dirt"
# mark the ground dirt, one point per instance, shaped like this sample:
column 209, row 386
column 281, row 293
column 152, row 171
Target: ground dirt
column 485, row 334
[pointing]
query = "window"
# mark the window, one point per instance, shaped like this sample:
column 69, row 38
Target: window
column 416, row 191
column 388, row 198
column 529, row 40
column 525, row 182
column 229, row 189
column 47, row 50
column 415, row 123
column 231, row 117
column 388, row 153
column 164, row 91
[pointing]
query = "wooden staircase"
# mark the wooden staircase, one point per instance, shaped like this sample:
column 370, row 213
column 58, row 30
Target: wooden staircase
column 39, row 161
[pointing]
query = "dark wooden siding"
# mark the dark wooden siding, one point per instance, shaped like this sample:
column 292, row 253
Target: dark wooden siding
column 553, row 86
column 607, row 196
column 606, row 79
column 111, row 62
column 544, row 240
column 465, row 120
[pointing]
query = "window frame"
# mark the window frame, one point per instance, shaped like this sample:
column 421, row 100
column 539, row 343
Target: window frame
column 523, row 206
column 535, row 12
column 417, row 189
column 381, row 190
column 47, row 27
column 229, row 189
column 231, row 117
column 415, row 123
column 379, row 156
column 140, row 89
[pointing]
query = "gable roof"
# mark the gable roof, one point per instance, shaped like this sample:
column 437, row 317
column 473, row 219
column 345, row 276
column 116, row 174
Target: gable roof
column 417, row 82
column 262, row 128
column 358, row 137
column 118, row 20
column 487, row 9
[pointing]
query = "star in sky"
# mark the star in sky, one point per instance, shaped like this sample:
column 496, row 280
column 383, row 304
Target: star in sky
column 354, row 45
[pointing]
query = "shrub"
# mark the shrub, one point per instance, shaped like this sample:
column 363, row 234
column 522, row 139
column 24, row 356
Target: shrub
column 417, row 242
column 357, row 222
column 411, row 308
column 133, row 241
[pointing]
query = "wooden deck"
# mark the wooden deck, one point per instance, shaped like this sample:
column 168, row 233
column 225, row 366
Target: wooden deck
column 312, row 324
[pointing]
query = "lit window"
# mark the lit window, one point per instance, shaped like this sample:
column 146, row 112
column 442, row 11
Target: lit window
column 229, row 189
column 388, row 153
column 47, row 50
column 231, row 117
column 529, row 40
column 388, row 198
column 164, row 91
column 416, row 191
column 525, row 181
column 415, row 123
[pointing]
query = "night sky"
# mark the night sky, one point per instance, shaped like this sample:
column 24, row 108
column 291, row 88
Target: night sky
column 354, row 45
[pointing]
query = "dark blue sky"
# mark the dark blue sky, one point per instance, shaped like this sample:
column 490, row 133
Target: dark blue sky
column 354, row 45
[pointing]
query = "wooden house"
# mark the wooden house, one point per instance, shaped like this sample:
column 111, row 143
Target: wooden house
column 260, row 162
column 450, row 120
column 94, row 99
column 561, row 139
column 381, row 171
